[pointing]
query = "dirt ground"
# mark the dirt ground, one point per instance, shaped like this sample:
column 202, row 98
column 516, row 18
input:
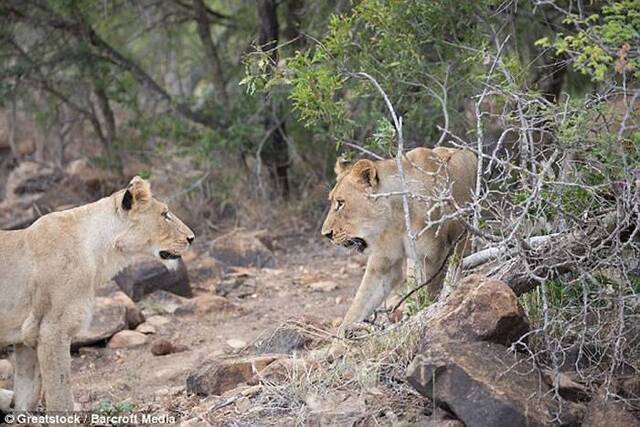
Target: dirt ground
column 149, row 382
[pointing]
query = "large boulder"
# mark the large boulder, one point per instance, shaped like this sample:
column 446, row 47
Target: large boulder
column 480, row 308
column 483, row 385
column 466, row 368
column 109, row 318
column 216, row 376
column 242, row 249
column 145, row 277
column 601, row 412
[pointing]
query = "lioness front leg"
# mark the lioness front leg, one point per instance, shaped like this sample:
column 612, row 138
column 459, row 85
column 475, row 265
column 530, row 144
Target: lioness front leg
column 28, row 382
column 55, row 365
column 381, row 276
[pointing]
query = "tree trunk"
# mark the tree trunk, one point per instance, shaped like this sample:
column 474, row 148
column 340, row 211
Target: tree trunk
column 204, row 32
column 275, row 153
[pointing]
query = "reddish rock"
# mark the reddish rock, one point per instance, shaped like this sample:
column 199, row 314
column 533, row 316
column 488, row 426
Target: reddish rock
column 162, row 347
column 127, row 339
column 216, row 376
column 484, row 309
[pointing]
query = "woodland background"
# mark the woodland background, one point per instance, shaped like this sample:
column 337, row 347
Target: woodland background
column 237, row 110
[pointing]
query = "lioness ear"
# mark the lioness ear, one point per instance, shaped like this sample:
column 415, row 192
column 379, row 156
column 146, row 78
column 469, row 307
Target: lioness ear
column 342, row 165
column 138, row 193
column 365, row 172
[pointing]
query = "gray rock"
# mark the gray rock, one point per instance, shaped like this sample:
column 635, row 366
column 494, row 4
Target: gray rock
column 161, row 302
column 284, row 340
column 242, row 249
column 109, row 317
column 143, row 278
column 483, row 385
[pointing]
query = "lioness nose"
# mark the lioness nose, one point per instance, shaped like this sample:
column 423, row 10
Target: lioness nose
column 191, row 239
column 329, row 235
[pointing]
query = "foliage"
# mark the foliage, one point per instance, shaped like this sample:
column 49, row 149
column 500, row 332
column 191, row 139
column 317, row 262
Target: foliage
column 602, row 41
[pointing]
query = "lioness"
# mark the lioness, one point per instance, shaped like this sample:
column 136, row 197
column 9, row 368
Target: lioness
column 367, row 214
column 49, row 272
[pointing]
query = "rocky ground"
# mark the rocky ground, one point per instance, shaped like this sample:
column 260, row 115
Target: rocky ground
column 308, row 281
column 238, row 334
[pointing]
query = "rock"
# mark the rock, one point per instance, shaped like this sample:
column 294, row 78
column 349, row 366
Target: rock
column 134, row 314
column 162, row 347
column 127, row 339
column 484, row 309
column 6, row 397
column 608, row 413
column 567, row 387
column 219, row 375
column 204, row 268
column 283, row 369
column 206, row 304
column 242, row 249
column 109, row 317
column 145, row 277
column 238, row 286
column 285, row 340
column 236, row 344
column 158, row 321
column 162, row 302
column 146, row 328
column 483, row 385
column 336, row 410
column 324, row 286
column 90, row 351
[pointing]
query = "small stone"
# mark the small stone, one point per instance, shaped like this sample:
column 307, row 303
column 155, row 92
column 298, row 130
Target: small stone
column 127, row 339
column 206, row 304
column 89, row 351
column 324, row 286
column 236, row 344
column 146, row 328
column 285, row 340
column 219, row 375
column 162, row 347
column 162, row 302
column 158, row 320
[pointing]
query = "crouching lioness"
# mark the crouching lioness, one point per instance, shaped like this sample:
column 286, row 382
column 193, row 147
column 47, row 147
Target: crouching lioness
column 367, row 214
column 48, row 273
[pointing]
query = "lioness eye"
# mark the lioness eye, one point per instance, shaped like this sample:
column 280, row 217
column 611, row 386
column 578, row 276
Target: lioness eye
column 165, row 215
column 339, row 204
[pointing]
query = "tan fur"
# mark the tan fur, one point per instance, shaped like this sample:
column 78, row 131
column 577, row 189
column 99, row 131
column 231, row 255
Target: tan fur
column 356, row 212
column 49, row 272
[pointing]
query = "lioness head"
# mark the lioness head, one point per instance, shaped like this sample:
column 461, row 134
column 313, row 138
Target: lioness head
column 151, row 227
column 355, row 219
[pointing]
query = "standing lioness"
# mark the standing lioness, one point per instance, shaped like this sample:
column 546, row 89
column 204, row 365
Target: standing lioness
column 367, row 213
column 48, row 274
